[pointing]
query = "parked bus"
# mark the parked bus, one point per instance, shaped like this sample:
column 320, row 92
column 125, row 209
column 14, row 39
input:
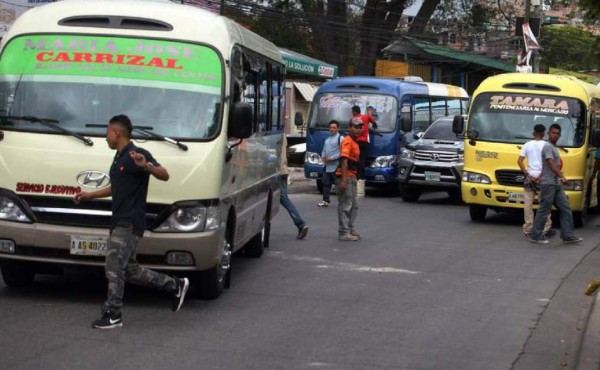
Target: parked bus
column 504, row 110
column 399, row 104
column 205, row 96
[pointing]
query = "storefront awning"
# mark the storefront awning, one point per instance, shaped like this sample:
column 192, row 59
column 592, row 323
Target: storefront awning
column 305, row 65
column 306, row 90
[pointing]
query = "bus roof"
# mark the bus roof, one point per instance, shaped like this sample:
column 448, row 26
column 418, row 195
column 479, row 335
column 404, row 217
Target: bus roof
column 187, row 23
column 389, row 86
column 535, row 83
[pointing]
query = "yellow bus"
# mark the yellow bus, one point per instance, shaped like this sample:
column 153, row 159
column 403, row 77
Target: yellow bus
column 205, row 96
column 503, row 111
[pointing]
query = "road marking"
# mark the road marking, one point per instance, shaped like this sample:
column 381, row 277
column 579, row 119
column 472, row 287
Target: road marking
column 342, row 266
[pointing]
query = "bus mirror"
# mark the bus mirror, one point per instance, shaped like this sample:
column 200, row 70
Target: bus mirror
column 240, row 121
column 405, row 121
column 596, row 138
column 458, row 125
column 298, row 119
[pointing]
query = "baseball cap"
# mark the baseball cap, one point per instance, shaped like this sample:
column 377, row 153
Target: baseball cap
column 356, row 122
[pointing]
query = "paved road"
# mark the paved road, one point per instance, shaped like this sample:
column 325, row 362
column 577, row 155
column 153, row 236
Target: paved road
column 424, row 289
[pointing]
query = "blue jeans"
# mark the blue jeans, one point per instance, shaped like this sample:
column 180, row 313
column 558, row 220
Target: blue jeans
column 347, row 206
column 553, row 195
column 328, row 179
column 287, row 203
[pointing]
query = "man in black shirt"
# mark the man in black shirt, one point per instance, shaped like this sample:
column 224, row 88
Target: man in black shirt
column 129, row 175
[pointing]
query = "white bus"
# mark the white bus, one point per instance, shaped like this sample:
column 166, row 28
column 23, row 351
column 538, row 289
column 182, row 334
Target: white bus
column 205, row 96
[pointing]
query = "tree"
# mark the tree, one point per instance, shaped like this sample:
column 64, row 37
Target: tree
column 591, row 10
column 569, row 48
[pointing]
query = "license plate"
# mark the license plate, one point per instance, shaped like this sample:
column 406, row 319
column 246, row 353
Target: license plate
column 88, row 245
column 432, row 176
column 517, row 197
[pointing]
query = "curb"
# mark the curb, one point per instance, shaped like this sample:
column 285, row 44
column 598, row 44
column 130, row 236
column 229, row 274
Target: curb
column 588, row 357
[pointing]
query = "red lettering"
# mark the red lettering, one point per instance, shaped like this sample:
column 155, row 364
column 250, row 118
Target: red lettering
column 156, row 62
column 62, row 57
column 120, row 59
column 45, row 56
column 135, row 60
column 104, row 58
column 82, row 57
column 171, row 64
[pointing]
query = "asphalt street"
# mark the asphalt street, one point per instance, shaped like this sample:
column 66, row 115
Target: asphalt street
column 425, row 288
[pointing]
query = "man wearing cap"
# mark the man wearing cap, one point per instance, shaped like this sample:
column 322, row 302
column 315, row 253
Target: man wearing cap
column 346, row 176
column 363, row 138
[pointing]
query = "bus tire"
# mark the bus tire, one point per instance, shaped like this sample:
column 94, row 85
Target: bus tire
column 455, row 195
column 477, row 212
column 410, row 194
column 209, row 284
column 17, row 274
column 256, row 246
column 320, row 186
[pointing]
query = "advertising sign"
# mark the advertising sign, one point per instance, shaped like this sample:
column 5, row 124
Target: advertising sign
column 11, row 10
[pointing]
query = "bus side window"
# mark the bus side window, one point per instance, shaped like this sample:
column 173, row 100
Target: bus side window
column 422, row 114
column 278, row 98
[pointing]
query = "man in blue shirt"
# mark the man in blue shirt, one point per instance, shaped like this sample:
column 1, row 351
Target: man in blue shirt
column 331, row 157
column 129, row 175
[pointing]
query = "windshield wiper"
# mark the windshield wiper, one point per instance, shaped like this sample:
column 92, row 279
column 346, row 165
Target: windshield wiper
column 146, row 130
column 52, row 123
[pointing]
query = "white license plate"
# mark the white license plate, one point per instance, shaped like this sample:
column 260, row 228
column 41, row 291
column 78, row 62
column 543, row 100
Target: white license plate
column 517, row 197
column 432, row 176
column 88, row 245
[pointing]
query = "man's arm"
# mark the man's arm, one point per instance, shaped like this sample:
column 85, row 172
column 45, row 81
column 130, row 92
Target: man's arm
column 140, row 160
column 554, row 168
column 102, row 193
column 522, row 164
column 344, row 168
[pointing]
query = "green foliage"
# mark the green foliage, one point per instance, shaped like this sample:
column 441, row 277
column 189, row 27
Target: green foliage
column 569, row 48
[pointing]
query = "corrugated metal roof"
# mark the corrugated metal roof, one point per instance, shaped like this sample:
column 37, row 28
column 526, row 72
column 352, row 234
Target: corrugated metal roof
column 306, row 90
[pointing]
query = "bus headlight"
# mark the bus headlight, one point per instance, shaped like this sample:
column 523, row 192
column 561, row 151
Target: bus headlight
column 384, row 161
column 313, row 158
column 10, row 211
column 407, row 153
column 190, row 219
column 574, row 185
column 475, row 177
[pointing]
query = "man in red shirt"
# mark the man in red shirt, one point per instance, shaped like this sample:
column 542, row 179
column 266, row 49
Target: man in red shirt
column 346, row 182
column 363, row 138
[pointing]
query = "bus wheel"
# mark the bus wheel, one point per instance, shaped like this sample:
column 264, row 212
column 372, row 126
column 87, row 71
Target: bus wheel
column 410, row 194
column 210, row 283
column 455, row 195
column 256, row 246
column 17, row 274
column 477, row 213
column 320, row 186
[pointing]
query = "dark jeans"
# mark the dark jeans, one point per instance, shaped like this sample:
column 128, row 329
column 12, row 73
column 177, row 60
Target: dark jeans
column 362, row 159
column 328, row 180
column 285, row 201
column 553, row 195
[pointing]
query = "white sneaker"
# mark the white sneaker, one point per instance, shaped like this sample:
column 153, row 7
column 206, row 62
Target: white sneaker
column 323, row 204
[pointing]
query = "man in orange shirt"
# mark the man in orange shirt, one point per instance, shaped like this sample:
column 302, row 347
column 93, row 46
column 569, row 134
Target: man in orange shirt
column 346, row 176
column 363, row 137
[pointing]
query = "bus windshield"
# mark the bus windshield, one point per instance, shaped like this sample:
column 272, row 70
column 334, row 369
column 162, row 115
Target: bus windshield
column 158, row 85
column 327, row 107
column 510, row 118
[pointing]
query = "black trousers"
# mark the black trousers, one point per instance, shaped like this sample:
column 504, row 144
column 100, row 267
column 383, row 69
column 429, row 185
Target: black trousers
column 362, row 159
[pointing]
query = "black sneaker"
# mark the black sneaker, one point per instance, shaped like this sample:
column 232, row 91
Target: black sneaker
column 179, row 297
column 572, row 240
column 541, row 240
column 302, row 232
column 108, row 320
column 549, row 234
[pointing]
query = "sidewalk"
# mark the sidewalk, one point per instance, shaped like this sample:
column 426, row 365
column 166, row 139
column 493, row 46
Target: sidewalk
column 589, row 354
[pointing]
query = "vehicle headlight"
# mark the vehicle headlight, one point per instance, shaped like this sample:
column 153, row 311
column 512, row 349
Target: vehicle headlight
column 191, row 219
column 407, row 153
column 10, row 211
column 574, row 185
column 384, row 161
column 475, row 177
column 313, row 158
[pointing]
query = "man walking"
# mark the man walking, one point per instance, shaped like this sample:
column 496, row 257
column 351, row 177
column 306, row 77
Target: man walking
column 129, row 175
column 553, row 193
column 346, row 186
column 331, row 157
column 284, row 199
column 532, row 151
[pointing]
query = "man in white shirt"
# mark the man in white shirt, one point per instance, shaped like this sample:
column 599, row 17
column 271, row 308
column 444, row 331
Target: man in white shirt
column 532, row 150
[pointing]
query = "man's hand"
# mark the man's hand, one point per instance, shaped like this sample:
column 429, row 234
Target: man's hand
column 81, row 196
column 342, row 186
column 138, row 158
column 563, row 180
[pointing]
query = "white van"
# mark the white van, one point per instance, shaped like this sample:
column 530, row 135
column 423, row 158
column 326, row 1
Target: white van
column 205, row 96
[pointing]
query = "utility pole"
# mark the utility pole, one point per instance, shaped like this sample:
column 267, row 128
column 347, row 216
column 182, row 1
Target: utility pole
column 537, row 13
